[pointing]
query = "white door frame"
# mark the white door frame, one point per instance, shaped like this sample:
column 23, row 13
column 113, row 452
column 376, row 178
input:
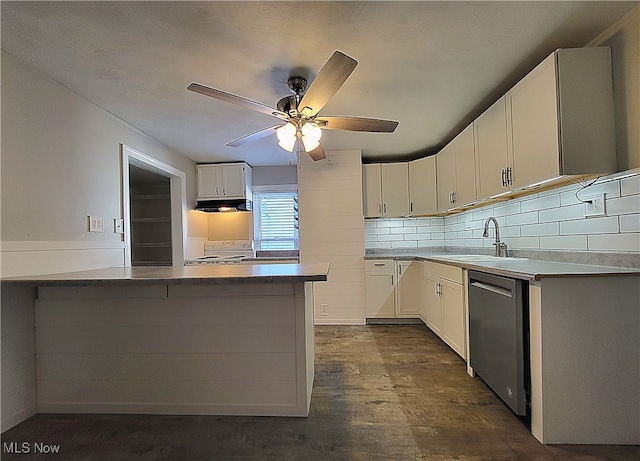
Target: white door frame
column 178, row 184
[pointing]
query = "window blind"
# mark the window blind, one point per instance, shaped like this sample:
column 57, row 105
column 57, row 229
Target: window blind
column 275, row 221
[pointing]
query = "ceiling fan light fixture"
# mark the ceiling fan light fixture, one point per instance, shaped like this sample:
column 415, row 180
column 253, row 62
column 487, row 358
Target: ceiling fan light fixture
column 311, row 134
column 287, row 136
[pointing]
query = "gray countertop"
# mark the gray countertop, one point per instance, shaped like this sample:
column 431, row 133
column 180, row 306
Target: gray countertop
column 519, row 268
column 182, row 275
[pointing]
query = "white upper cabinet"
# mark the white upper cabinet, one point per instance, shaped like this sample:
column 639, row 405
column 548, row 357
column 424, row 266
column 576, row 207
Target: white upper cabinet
column 395, row 190
column 491, row 150
column 422, row 186
column 372, row 190
column 386, row 190
column 456, row 172
column 560, row 118
column 224, row 180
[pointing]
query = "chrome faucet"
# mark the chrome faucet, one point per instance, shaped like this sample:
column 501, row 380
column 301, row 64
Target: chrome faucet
column 501, row 248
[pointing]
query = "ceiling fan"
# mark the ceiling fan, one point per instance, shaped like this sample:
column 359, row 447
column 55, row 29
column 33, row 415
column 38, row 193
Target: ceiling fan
column 298, row 113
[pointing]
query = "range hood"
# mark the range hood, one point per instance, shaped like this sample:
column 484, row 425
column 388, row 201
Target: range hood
column 214, row 206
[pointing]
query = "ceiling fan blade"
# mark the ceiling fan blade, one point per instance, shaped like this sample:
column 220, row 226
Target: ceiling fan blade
column 238, row 100
column 317, row 153
column 357, row 124
column 253, row 136
column 327, row 83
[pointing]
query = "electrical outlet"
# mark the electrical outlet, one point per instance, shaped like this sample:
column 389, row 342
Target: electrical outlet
column 594, row 205
column 323, row 310
column 95, row 224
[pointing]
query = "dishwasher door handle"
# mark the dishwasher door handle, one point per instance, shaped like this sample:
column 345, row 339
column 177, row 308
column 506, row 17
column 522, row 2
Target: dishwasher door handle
column 492, row 288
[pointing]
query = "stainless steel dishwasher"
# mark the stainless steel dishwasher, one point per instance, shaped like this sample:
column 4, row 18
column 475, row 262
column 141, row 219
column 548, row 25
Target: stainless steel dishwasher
column 498, row 337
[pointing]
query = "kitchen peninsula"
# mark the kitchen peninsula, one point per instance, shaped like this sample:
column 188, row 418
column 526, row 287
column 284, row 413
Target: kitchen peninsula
column 221, row 340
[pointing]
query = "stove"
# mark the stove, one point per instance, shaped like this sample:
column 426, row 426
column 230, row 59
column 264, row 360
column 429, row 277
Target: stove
column 224, row 252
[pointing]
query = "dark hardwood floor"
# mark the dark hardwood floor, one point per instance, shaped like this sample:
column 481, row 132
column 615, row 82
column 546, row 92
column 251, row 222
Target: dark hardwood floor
column 380, row 393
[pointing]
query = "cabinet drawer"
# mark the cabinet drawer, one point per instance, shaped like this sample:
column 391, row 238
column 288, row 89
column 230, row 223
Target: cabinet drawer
column 445, row 271
column 378, row 264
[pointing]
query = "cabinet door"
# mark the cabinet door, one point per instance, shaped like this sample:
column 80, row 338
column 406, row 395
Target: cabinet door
column 453, row 316
column 446, row 174
column 395, row 190
column 433, row 304
column 380, row 295
column 372, row 190
column 465, row 190
column 491, row 150
column 233, row 181
column 533, row 116
column 422, row 186
column 209, row 179
column 409, row 289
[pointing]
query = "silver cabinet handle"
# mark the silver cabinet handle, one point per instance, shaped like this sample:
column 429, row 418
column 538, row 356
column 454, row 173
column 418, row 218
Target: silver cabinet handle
column 504, row 177
column 391, row 279
column 379, row 208
column 509, row 178
column 384, row 207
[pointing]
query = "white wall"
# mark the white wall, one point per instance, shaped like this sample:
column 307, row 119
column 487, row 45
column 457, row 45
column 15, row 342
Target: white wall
column 61, row 162
column 332, row 231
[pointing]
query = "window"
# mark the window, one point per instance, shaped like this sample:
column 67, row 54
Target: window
column 275, row 220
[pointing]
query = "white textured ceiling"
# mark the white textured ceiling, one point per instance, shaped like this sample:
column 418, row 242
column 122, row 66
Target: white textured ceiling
column 433, row 66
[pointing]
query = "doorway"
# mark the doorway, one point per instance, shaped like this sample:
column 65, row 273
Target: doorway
column 154, row 209
column 150, row 208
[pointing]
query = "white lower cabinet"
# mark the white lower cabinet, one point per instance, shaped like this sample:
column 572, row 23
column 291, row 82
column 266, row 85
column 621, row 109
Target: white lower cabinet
column 393, row 289
column 410, row 289
column 380, row 288
column 444, row 310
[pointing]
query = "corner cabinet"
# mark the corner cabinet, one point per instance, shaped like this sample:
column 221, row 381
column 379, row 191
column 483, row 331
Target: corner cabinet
column 224, row 180
column 422, row 187
column 393, row 289
column 385, row 188
column 444, row 311
column 455, row 166
column 558, row 120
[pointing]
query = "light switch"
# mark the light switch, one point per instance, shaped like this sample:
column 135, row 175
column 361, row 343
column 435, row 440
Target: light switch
column 95, row 224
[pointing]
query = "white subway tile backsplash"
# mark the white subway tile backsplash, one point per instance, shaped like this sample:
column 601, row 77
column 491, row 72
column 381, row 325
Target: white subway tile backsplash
column 532, row 230
column 540, row 203
column 630, row 186
column 403, row 230
column 606, row 225
column 523, row 243
column 615, row 242
column 530, row 217
column 509, row 208
column 564, row 242
column 389, row 223
column 390, row 237
column 378, row 230
column 548, row 220
column 562, row 214
column 630, row 223
column 623, row 205
column 405, row 244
